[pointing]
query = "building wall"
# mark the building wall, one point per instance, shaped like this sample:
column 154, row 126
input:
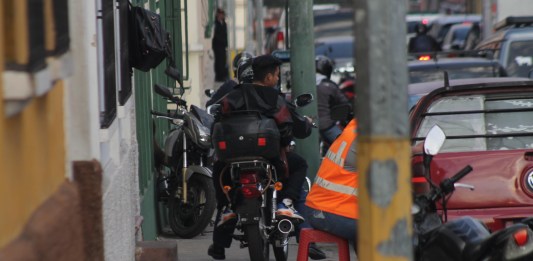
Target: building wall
column 54, row 130
column 114, row 147
column 32, row 158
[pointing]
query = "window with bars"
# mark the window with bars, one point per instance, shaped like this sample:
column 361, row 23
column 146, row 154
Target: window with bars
column 106, row 62
column 113, row 70
column 123, row 66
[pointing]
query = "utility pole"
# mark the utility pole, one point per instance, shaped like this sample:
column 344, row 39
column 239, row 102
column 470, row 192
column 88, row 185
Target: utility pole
column 303, row 74
column 260, row 28
column 383, row 147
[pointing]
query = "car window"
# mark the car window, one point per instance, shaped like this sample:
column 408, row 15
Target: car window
column 480, row 123
column 520, row 58
column 335, row 50
column 416, row 76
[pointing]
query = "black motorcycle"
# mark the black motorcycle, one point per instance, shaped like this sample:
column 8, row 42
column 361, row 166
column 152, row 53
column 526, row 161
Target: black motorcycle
column 185, row 180
column 464, row 238
column 245, row 140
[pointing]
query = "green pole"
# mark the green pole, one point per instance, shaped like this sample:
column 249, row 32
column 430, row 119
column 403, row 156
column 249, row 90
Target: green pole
column 303, row 74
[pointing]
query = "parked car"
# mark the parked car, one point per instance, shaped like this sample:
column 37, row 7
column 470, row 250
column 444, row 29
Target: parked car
column 440, row 26
column 489, row 125
column 512, row 45
column 463, row 36
column 457, row 68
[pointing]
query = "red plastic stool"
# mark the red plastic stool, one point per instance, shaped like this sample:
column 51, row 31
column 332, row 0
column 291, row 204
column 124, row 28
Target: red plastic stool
column 309, row 235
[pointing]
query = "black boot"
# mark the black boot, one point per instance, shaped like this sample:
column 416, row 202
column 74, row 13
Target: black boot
column 216, row 252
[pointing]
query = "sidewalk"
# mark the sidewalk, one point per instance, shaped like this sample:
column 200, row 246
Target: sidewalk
column 195, row 249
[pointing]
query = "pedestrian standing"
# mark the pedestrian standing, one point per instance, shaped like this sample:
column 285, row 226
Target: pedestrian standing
column 220, row 46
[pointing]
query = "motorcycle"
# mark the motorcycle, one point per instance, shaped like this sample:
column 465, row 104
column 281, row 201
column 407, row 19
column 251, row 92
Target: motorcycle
column 245, row 141
column 464, row 238
column 185, row 180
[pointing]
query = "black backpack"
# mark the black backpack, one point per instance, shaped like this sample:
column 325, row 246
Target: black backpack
column 149, row 42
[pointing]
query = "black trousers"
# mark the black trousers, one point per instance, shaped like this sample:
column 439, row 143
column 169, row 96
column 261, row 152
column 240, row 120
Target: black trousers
column 221, row 64
column 291, row 189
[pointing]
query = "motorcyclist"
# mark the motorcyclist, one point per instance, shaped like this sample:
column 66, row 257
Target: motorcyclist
column 262, row 96
column 243, row 58
column 329, row 95
column 423, row 42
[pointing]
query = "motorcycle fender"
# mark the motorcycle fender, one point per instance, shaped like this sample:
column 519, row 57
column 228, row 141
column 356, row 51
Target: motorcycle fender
column 172, row 138
column 200, row 170
column 249, row 211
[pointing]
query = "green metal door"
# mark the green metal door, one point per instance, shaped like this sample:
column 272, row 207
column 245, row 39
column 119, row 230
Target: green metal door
column 146, row 100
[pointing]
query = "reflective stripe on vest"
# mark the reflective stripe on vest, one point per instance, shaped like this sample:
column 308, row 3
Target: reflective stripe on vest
column 337, row 157
column 335, row 187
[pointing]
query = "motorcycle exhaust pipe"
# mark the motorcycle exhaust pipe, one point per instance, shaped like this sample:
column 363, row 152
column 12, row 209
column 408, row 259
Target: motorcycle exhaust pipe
column 285, row 226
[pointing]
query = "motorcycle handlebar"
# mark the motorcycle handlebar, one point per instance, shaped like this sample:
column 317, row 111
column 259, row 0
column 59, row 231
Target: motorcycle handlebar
column 156, row 113
column 447, row 185
column 461, row 174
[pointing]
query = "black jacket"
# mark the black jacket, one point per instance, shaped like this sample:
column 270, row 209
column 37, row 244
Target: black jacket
column 220, row 37
column 423, row 43
column 224, row 89
column 329, row 95
column 270, row 103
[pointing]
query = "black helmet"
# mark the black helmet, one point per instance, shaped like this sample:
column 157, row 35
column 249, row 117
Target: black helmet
column 324, row 65
column 245, row 74
column 236, row 60
column 421, row 28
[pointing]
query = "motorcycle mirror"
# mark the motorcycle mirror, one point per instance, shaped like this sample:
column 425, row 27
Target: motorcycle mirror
column 209, row 92
column 163, row 91
column 174, row 74
column 434, row 141
column 213, row 109
column 303, row 99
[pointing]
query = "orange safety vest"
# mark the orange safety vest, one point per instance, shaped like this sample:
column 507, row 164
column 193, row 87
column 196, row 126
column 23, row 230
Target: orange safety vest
column 336, row 183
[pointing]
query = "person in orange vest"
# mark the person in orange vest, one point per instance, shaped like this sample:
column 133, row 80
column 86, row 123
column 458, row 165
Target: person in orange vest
column 332, row 202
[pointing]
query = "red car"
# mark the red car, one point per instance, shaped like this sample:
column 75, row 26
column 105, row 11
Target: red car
column 488, row 125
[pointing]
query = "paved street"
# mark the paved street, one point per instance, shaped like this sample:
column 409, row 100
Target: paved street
column 195, row 249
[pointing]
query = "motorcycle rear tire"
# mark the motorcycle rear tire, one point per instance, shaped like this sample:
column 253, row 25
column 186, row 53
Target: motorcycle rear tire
column 258, row 247
column 186, row 221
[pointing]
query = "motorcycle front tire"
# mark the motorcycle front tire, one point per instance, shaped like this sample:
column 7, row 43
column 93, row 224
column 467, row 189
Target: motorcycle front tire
column 185, row 219
column 258, row 247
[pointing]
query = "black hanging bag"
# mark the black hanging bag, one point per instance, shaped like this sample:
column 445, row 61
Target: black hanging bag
column 149, row 42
